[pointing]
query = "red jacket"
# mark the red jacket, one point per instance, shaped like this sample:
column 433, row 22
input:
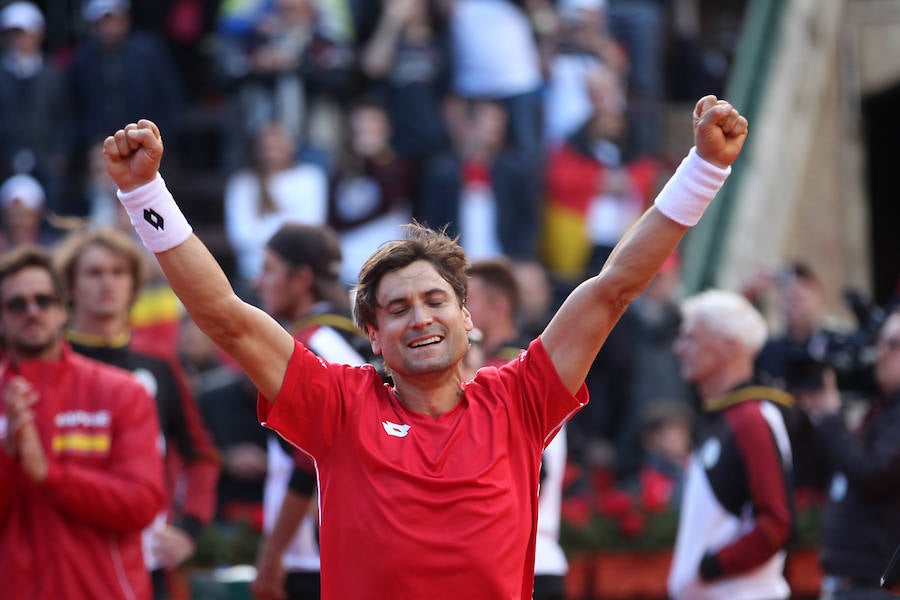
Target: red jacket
column 78, row 534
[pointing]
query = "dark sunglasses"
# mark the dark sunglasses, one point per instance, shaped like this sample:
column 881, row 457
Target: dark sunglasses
column 18, row 305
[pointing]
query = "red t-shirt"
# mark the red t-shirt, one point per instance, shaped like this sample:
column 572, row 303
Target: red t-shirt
column 417, row 507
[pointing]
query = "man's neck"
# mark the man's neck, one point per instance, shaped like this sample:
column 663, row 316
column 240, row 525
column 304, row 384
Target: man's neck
column 724, row 381
column 431, row 398
column 106, row 328
column 497, row 335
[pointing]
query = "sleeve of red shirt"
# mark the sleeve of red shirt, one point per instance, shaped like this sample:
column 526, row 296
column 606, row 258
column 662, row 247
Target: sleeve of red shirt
column 127, row 492
column 201, row 471
column 766, row 480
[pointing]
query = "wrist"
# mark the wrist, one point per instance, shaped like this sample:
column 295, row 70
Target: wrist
column 691, row 188
column 155, row 216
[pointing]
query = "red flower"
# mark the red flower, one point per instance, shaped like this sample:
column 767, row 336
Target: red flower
column 656, row 490
column 614, row 503
column 631, row 524
column 576, row 510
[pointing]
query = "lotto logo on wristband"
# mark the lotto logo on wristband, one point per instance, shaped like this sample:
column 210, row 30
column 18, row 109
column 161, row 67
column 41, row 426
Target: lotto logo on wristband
column 155, row 219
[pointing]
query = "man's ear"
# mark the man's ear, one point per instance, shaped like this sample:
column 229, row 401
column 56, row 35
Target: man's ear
column 373, row 339
column 468, row 319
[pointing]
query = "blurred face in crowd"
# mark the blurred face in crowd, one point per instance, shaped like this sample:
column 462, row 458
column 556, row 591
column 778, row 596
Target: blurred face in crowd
column 887, row 369
column 295, row 11
column 33, row 315
column 102, row 283
column 701, row 350
column 670, row 439
column 370, row 131
column 489, row 123
column 483, row 302
column 22, row 222
column 802, row 304
column 276, row 286
column 112, row 28
column 608, row 101
column 274, row 148
column 24, row 42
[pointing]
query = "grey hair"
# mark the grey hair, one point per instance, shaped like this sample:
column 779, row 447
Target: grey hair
column 729, row 314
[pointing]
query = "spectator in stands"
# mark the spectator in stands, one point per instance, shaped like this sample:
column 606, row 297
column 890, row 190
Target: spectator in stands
column 103, row 273
column 80, row 468
column 104, row 88
column 371, row 190
column 495, row 57
column 407, row 64
column 639, row 27
column 23, row 211
column 593, row 193
column 34, row 107
column 481, row 189
column 861, row 523
column 578, row 43
column 494, row 302
column 284, row 61
column 666, row 436
column 277, row 188
column 735, row 516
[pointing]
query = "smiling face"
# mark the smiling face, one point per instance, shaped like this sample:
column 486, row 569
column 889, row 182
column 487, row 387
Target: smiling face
column 422, row 326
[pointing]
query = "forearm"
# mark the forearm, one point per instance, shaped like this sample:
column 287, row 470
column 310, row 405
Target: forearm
column 293, row 508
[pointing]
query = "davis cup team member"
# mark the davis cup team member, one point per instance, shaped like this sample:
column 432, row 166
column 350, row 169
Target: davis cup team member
column 428, row 487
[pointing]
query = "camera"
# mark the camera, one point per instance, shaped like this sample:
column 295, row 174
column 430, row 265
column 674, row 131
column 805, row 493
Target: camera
column 851, row 355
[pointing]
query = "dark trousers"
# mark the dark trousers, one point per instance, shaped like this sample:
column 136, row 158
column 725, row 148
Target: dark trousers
column 303, row 585
column 549, row 587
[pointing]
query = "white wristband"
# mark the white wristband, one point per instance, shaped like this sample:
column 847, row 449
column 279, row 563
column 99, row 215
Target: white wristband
column 690, row 189
column 155, row 216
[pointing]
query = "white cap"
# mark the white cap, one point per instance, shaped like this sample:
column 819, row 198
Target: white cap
column 24, row 188
column 22, row 15
column 94, row 10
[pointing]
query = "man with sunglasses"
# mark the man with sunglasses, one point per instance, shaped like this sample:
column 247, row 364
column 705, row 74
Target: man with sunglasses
column 861, row 524
column 80, row 469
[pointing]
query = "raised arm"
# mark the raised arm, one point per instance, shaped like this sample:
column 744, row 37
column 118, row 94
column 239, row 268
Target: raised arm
column 579, row 328
column 256, row 341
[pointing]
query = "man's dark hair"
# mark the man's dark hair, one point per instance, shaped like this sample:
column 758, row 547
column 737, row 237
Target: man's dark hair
column 117, row 242
column 421, row 243
column 23, row 257
column 498, row 274
column 317, row 247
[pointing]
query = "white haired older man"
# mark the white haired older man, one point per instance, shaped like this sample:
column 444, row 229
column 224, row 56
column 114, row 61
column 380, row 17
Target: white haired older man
column 735, row 512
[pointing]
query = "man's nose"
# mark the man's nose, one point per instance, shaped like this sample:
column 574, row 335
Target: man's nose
column 421, row 315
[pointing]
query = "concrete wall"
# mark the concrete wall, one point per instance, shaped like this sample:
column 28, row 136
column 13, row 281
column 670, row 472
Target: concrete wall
column 803, row 197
